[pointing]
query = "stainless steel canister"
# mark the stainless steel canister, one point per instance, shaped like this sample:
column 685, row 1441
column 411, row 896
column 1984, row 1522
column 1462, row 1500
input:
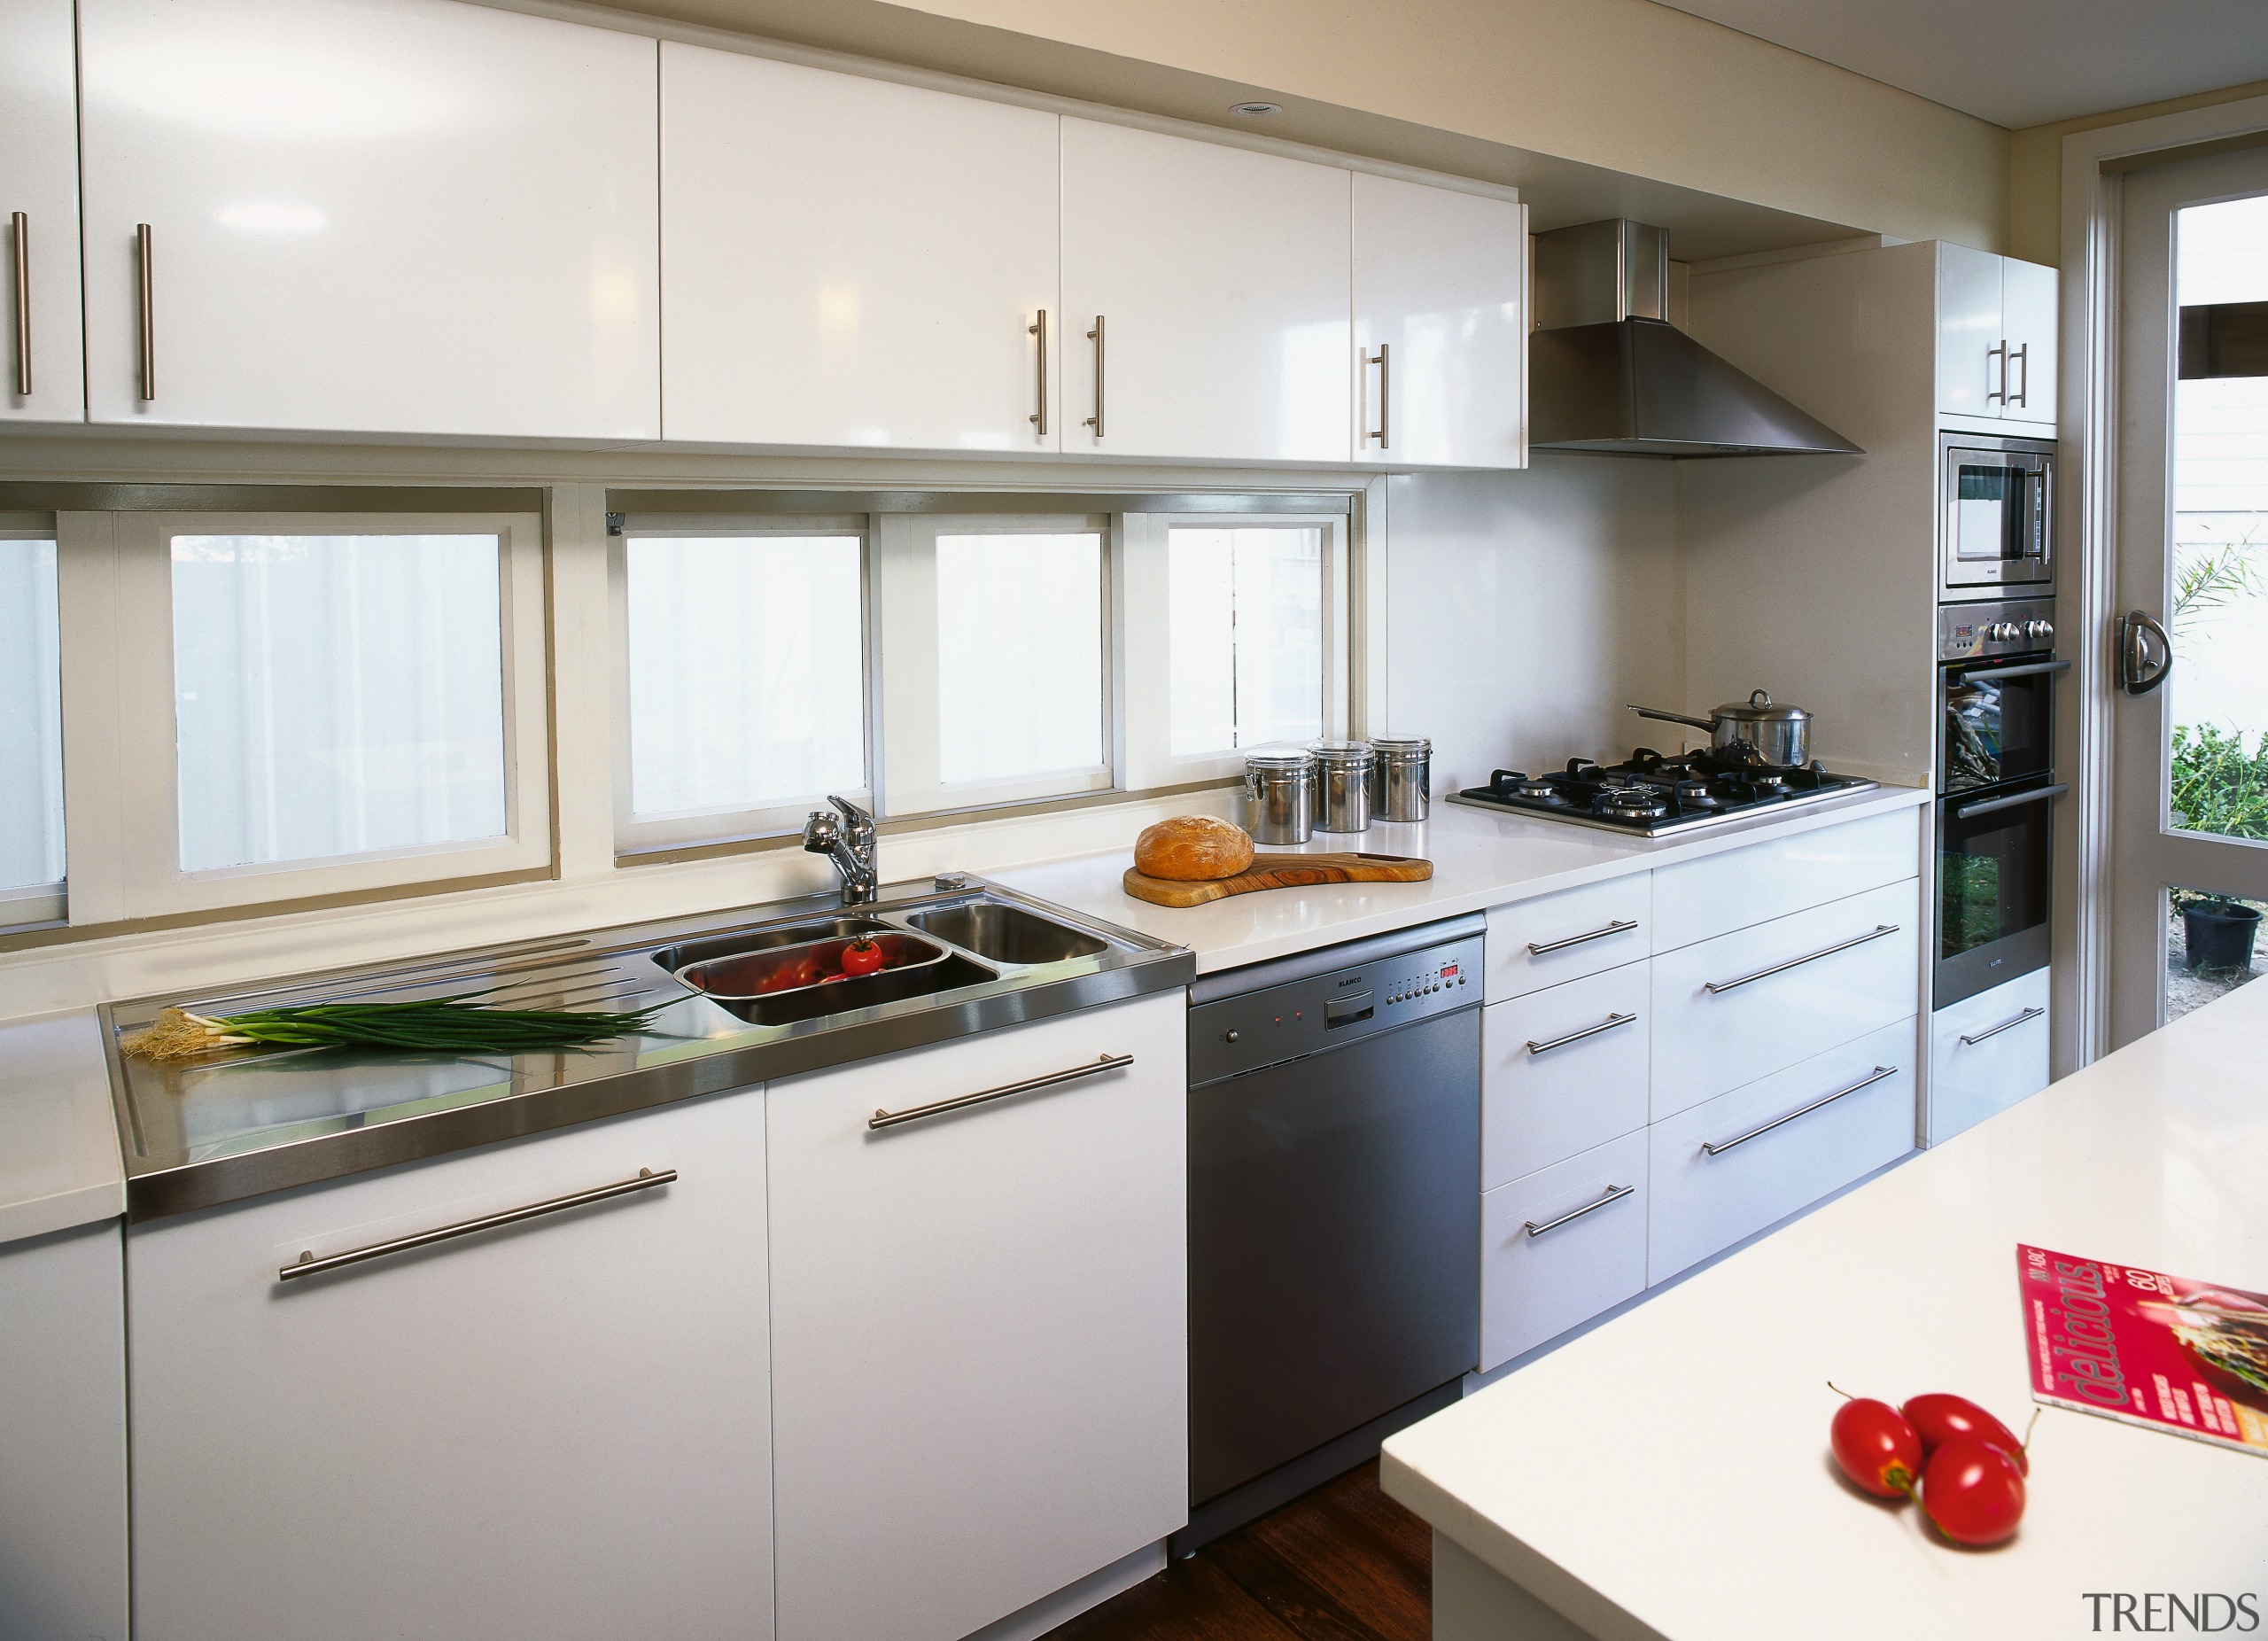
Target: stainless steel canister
column 1343, row 785
column 1279, row 796
column 1402, row 779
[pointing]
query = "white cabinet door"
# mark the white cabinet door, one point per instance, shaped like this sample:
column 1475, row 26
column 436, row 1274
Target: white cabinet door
column 1558, row 937
column 980, row 1335
column 370, row 216
column 39, row 197
column 556, row 1428
column 1539, row 1277
column 846, row 261
column 1440, row 331
column 1219, row 279
column 1970, row 379
column 1986, row 1053
column 1698, row 899
column 1561, row 1070
column 2028, row 321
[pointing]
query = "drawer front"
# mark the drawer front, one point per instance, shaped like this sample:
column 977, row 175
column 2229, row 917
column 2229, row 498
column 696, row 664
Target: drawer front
column 1970, row 1081
column 1540, row 1104
column 1535, row 1285
column 1584, row 931
column 1785, row 990
column 1702, row 1203
column 1699, row 899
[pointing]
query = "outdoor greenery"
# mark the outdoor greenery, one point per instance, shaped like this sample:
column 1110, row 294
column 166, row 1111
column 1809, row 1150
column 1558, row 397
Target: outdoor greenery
column 2215, row 579
column 2217, row 786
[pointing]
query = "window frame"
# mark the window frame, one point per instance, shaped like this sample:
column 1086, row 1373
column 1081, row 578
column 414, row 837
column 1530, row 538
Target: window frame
column 1150, row 760
column 692, row 828
column 119, row 683
column 30, row 906
column 906, row 655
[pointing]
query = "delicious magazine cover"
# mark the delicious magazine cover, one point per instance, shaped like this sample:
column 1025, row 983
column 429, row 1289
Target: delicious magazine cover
column 2163, row 1351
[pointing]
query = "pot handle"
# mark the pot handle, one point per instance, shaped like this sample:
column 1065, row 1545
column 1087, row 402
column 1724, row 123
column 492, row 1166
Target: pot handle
column 1709, row 724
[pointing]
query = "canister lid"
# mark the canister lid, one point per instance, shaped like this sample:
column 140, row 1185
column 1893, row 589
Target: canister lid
column 1342, row 751
column 1277, row 758
column 1401, row 746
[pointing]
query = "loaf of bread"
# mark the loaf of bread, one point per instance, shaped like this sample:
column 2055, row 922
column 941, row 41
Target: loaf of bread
column 1190, row 848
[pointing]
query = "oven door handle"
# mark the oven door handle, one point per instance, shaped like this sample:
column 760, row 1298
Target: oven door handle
column 1987, row 806
column 1988, row 674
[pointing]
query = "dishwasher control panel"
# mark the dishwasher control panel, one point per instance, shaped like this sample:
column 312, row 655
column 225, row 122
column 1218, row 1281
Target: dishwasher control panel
column 1238, row 1034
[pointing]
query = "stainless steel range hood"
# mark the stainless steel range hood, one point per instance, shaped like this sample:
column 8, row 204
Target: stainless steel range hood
column 1608, row 372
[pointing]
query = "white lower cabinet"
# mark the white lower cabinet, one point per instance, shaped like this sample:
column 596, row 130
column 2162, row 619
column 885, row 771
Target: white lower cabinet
column 558, row 1427
column 980, row 1336
column 1732, row 1165
column 1558, row 937
column 1562, row 1070
column 1986, row 1053
column 1560, row 1245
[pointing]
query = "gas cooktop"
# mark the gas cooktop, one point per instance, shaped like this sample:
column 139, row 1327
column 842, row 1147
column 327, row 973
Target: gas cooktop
column 1650, row 795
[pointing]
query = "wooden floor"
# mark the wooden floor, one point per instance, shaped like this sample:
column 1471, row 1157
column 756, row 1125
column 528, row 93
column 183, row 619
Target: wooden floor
column 1343, row 1563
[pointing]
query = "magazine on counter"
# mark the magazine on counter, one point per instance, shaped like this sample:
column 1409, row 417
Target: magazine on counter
column 2166, row 1352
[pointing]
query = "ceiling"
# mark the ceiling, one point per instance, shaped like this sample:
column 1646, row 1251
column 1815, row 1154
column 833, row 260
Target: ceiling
column 2019, row 62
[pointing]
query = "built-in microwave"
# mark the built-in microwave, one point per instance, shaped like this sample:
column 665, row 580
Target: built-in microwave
column 1997, row 531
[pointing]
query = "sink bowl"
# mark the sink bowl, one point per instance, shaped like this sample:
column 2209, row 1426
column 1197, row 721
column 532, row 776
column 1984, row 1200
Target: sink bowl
column 777, row 976
column 1006, row 934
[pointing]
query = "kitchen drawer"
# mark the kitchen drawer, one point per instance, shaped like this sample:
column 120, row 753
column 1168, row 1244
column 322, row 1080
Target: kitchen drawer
column 1535, row 1285
column 1969, row 1082
column 1586, row 929
column 1702, row 1203
column 1697, row 900
column 1786, row 992
column 1540, row 1107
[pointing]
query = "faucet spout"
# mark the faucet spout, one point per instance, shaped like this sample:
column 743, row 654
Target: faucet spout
column 849, row 840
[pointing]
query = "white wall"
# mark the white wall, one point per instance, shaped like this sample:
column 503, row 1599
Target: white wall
column 1524, row 611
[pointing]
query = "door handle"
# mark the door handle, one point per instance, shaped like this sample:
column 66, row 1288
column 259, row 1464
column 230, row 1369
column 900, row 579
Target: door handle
column 1607, row 1025
column 1619, row 925
column 1973, row 1037
column 1986, row 806
column 1718, row 1147
column 309, row 1265
column 2001, row 395
column 1096, row 337
column 938, row 1108
column 1716, row 987
column 1988, row 675
column 149, row 313
column 2022, row 357
column 1614, row 1194
column 20, row 227
column 2135, row 629
column 1039, row 328
column 1384, row 365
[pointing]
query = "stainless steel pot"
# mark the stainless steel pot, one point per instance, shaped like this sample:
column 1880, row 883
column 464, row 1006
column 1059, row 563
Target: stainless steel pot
column 1752, row 732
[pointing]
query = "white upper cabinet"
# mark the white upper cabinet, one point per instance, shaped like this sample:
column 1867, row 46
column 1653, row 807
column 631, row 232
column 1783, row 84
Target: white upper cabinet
column 39, row 201
column 370, row 216
column 1440, row 331
column 1996, row 337
column 1217, row 281
column 848, row 261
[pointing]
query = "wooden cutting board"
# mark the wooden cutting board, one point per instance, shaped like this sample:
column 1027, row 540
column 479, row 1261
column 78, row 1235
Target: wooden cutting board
column 1280, row 871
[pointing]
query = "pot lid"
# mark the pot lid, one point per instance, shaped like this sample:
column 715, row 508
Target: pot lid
column 1757, row 709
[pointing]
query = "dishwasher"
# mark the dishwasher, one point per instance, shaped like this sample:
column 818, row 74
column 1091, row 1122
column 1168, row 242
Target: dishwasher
column 1335, row 1210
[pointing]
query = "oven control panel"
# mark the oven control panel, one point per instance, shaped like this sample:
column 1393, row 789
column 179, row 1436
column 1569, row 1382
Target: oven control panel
column 2010, row 627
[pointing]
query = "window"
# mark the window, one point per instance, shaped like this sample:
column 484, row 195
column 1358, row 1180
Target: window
column 313, row 705
column 1245, row 633
column 746, row 682
column 31, row 735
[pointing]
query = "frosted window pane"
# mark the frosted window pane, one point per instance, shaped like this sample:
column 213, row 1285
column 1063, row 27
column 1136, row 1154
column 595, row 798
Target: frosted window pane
column 1245, row 619
column 1019, row 655
column 337, row 695
column 747, row 672
column 31, row 720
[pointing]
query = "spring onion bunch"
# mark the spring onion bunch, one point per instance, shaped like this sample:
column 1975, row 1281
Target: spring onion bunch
column 442, row 1025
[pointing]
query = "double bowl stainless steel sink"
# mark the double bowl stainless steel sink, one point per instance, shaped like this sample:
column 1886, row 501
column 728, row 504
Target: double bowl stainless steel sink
column 741, row 998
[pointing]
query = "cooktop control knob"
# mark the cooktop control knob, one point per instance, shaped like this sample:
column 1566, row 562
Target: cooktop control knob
column 2039, row 632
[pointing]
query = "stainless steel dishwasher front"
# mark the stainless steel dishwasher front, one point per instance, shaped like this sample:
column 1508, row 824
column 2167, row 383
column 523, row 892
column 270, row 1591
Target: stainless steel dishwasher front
column 1334, row 1210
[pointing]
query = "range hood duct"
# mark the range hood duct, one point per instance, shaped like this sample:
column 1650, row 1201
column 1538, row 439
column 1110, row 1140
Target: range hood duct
column 1608, row 372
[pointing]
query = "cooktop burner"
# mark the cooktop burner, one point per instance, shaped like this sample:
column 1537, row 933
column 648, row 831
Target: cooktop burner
column 1650, row 795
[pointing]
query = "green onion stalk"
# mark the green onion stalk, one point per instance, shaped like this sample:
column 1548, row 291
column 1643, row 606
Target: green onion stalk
column 443, row 1025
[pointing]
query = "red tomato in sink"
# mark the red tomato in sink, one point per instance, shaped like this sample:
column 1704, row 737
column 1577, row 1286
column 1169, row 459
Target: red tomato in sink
column 862, row 956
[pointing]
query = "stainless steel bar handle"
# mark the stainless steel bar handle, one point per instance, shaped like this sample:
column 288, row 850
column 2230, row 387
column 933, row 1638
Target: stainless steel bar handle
column 1986, row 674
column 309, row 1265
column 1039, row 328
column 1614, row 1194
column 1985, row 806
column 892, row 1119
column 1619, row 925
column 1973, row 1038
column 20, row 227
column 1713, row 987
column 1607, row 1025
column 1096, row 337
column 149, row 315
column 1718, row 1147
column 2001, row 395
column 1384, row 365
column 2022, row 357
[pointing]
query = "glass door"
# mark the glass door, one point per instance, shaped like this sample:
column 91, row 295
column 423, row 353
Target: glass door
column 2189, row 845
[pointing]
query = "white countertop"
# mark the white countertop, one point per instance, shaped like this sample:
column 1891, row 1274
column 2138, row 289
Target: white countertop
column 1480, row 859
column 1666, row 1475
column 59, row 1164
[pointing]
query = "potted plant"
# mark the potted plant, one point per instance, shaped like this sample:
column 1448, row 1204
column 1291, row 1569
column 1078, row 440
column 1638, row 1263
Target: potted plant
column 2217, row 932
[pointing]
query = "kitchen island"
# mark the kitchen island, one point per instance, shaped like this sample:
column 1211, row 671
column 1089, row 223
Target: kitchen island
column 1666, row 1475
